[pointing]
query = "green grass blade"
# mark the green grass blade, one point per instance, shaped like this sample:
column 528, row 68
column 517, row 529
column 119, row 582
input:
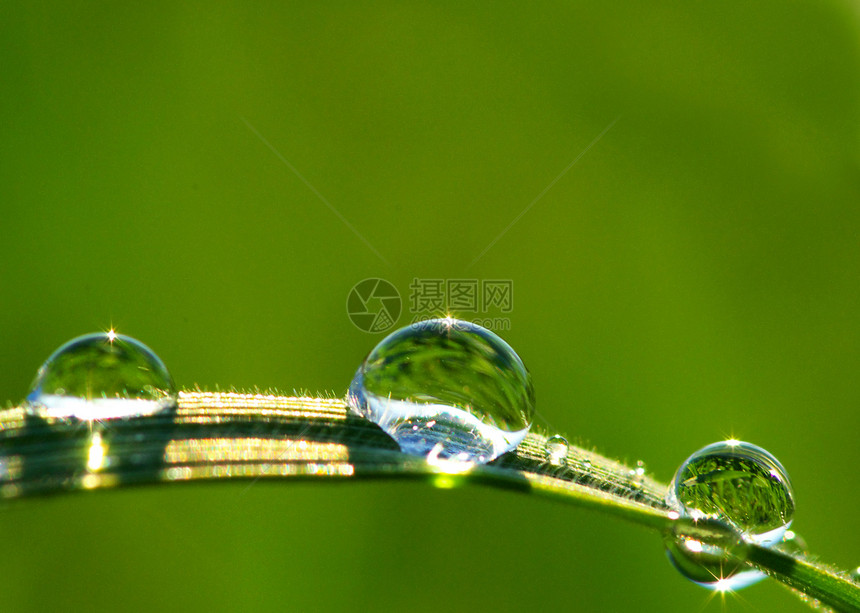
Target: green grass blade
column 224, row 435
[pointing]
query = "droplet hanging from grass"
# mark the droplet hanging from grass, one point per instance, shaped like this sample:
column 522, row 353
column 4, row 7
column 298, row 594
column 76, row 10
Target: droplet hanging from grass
column 708, row 552
column 740, row 485
column 101, row 376
column 446, row 386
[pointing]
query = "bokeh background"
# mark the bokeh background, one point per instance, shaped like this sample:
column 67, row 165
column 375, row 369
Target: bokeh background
column 695, row 275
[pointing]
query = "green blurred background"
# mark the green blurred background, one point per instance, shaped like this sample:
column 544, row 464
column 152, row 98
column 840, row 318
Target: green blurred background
column 695, row 275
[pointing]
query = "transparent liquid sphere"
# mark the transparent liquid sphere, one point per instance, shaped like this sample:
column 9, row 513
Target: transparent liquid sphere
column 557, row 448
column 793, row 543
column 446, row 386
column 708, row 552
column 741, row 485
column 102, row 376
column 637, row 475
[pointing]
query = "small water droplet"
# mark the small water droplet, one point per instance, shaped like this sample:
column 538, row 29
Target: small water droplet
column 101, row 376
column 448, row 382
column 637, row 475
column 741, row 485
column 556, row 450
column 854, row 574
column 793, row 543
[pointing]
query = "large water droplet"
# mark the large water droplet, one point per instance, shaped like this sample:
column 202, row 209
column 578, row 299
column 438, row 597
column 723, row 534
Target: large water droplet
column 854, row 574
column 446, row 386
column 557, row 448
column 741, row 485
column 102, row 376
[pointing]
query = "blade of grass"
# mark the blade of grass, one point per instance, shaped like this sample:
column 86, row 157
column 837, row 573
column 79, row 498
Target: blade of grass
column 227, row 435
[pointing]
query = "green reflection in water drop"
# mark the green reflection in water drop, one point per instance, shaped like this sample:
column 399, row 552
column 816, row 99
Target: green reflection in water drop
column 101, row 376
column 740, row 485
column 446, row 386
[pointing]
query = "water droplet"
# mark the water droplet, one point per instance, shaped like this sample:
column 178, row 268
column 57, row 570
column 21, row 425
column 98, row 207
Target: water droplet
column 741, row 485
column 854, row 574
column 637, row 475
column 556, row 450
column 101, row 376
column 448, row 382
column 709, row 552
column 793, row 543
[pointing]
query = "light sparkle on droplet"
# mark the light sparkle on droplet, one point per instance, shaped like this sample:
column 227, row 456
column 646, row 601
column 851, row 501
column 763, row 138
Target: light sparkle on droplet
column 724, row 585
column 693, row 545
column 96, row 453
column 458, row 465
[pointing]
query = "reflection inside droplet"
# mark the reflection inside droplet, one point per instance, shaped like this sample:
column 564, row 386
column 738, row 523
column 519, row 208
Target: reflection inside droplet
column 102, row 376
column 793, row 543
column 446, row 382
column 740, row 485
column 557, row 449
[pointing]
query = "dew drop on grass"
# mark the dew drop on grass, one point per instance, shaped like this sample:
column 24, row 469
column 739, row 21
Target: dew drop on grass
column 556, row 450
column 637, row 475
column 448, row 387
column 793, row 543
column 854, row 574
column 737, row 484
column 709, row 553
column 102, row 376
